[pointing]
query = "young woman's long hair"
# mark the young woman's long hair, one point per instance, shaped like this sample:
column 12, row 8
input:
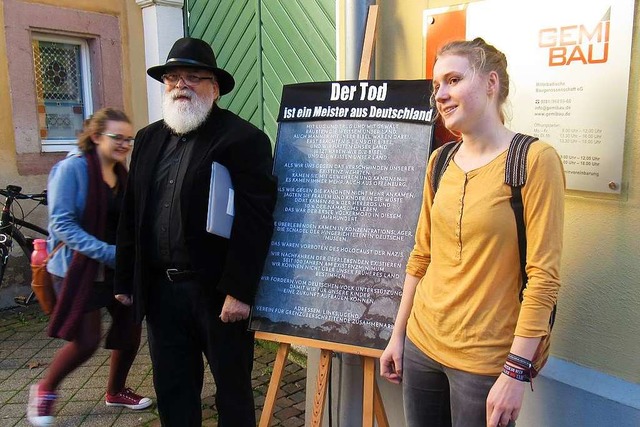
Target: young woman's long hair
column 96, row 124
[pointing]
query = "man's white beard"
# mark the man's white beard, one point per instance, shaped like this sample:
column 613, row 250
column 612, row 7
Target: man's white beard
column 184, row 116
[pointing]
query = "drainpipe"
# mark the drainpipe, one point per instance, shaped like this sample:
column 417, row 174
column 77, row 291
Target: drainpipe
column 349, row 410
column 163, row 24
column 356, row 12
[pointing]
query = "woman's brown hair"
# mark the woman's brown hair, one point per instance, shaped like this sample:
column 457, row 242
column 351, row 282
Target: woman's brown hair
column 96, row 124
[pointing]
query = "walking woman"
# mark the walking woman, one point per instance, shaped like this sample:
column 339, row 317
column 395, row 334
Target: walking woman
column 85, row 193
column 461, row 333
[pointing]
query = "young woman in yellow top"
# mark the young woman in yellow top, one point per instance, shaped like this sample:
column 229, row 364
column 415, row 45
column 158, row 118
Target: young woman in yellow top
column 460, row 322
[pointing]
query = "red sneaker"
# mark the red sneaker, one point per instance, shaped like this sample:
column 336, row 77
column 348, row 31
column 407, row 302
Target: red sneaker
column 128, row 399
column 40, row 407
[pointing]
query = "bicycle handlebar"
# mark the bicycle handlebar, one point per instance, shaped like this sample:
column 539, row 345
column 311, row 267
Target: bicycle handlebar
column 14, row 192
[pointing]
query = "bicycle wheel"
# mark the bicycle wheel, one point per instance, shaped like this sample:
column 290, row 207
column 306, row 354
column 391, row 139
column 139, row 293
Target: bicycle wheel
column 16, row 281
column 4, row 254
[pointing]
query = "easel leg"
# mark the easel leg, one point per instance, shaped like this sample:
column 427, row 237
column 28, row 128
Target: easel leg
column 378, row 407
column 274, row 383
column 371, row 400
column 367, row 391
column 324, row 370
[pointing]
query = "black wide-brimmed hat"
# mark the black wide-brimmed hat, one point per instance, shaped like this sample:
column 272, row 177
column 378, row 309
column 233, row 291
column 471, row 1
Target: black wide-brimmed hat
column 194, row 53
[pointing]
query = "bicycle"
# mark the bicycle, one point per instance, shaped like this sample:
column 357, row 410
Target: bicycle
column 10, row 230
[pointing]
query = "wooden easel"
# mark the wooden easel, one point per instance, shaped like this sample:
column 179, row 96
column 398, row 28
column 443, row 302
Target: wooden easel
column 372, row 405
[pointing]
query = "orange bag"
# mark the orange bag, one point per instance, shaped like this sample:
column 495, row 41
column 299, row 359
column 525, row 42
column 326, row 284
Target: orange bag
column 42, row 285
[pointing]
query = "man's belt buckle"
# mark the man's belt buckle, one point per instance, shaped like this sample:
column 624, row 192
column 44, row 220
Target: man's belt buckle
column 170, row 271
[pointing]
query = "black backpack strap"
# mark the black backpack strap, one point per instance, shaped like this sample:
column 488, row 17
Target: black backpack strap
column 443, row 156
column 515, row 175
column 518, row 210
column 515, row 171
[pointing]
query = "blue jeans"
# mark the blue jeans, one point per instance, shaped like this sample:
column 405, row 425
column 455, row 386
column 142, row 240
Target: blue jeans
column 437, row 396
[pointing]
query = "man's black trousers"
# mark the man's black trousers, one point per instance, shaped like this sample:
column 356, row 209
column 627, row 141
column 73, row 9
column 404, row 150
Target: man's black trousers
column 183, row 323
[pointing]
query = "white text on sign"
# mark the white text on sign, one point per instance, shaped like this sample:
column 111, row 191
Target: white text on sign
column 363, row 90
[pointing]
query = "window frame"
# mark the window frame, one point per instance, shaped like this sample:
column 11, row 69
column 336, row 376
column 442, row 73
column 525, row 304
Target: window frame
column 63, row 145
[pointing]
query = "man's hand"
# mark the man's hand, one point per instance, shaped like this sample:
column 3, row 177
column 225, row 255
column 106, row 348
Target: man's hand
column 125, row 299
column 234, row 310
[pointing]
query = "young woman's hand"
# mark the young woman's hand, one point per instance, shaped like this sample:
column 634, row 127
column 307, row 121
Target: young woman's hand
column 391, row 360
column 504, row 401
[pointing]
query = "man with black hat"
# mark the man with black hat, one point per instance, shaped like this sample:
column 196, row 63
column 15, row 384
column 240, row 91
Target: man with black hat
column 196, row 288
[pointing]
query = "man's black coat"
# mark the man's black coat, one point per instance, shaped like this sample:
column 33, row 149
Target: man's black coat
column 232, row 266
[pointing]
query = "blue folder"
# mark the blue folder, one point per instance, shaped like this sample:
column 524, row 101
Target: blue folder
column 221, row 205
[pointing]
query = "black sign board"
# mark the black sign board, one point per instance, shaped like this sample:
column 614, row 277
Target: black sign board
column 350, row 158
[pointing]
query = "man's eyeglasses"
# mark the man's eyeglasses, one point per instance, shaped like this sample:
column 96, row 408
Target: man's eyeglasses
column 120, row 139
column 189, row 79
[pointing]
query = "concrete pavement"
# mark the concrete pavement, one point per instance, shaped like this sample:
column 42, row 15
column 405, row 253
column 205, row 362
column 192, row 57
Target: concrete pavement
column 26, row 350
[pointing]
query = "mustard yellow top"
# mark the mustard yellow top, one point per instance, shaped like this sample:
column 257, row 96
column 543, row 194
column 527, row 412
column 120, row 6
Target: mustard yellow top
column 466, row 309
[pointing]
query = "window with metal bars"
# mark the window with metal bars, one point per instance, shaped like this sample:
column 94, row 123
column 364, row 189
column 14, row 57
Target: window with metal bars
column 63, row 89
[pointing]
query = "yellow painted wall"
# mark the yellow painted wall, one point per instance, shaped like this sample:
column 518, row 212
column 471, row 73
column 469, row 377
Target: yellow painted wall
column 134, row 87
column 7, row 161
column 598, row 322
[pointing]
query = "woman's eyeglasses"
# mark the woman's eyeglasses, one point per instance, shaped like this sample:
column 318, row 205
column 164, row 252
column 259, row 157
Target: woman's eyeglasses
column 189, row 79
column 120, row 139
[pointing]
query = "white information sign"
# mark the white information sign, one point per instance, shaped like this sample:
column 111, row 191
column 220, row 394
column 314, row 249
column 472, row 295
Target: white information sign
column 569, row 66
